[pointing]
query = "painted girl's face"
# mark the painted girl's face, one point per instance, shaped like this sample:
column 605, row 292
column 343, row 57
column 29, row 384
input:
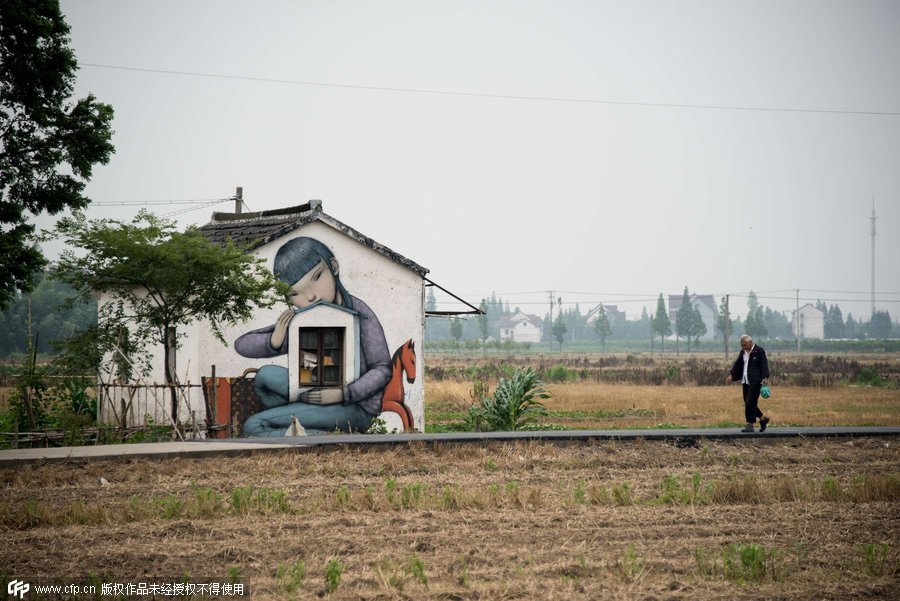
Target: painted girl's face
column 318, row 284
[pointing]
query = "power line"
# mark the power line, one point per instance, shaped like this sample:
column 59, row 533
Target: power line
column 158, row 202
column 719, row 107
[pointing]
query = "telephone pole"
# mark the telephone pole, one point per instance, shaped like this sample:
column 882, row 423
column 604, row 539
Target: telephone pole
column 550, row 324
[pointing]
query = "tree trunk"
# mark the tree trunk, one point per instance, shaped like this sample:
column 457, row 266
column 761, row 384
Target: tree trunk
column 171, row 376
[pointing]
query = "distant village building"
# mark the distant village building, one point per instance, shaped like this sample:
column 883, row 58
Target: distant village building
column 705, row 304
column 808, row 322
column 612, row 313
column 520, row 327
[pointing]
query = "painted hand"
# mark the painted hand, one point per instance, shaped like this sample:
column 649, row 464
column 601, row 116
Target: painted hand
column 281, row 326
column 323, row 396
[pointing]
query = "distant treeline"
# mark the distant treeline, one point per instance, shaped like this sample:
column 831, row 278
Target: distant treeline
column 39, row 316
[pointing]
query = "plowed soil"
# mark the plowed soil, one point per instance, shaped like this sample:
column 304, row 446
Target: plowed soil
column 748, row 519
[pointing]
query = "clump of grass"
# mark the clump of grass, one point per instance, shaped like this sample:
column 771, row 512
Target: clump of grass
column 622, row 494
column 736, row 490
column 333, row 572
column 830, row 489
column 411, row 495
column 631, row 564
column 874, row 558
column 580, row 494
column 247, row 500
column 291, row 576
column 416, row 569
column 746, row 563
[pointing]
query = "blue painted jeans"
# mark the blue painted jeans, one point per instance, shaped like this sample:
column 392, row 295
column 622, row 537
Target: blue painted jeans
column 272, row 387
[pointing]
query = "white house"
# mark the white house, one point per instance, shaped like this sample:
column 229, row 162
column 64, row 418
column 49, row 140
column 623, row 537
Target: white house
column 353, row 345
column 808, row 322
column 520, row 328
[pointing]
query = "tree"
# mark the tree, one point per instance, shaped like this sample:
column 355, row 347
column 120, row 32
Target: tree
column 698, row 327
column 559, row 330
column 483, row 322
column 880, row 325
column 48, row 145
column 834, row 323
column 661, row 323
column 755, row 324
column 456, row 329
column 724, row 322
column 602, row 327
column 684, row 318
column 160, row 279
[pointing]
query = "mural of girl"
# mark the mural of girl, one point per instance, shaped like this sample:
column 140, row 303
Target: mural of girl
column 311, row 271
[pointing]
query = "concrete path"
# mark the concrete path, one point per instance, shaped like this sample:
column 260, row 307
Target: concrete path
column 250, row 446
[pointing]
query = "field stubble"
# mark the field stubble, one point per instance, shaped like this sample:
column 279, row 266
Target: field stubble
column 747, row 519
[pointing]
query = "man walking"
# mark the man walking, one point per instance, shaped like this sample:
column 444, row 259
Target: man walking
column 752, row 369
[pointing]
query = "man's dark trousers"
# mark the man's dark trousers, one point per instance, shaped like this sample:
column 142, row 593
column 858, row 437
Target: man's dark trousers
column 751, row 402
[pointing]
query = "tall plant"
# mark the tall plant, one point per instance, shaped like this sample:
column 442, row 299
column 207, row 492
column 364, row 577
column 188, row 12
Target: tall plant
column 514, row 403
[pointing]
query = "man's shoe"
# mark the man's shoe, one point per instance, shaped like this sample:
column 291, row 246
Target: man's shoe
column 763, row 422
column 749, row 428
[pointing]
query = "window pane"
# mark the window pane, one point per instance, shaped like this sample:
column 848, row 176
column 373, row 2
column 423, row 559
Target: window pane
column 332, row 375
column 331, row 339
column 309, row 339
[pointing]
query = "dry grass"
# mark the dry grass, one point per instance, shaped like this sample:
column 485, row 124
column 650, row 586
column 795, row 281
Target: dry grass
column 636, row 406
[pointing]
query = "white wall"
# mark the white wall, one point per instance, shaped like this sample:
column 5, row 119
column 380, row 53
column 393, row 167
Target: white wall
column 393, row 292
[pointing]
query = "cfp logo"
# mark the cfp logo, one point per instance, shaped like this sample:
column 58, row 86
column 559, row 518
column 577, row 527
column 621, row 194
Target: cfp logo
column 17, row 588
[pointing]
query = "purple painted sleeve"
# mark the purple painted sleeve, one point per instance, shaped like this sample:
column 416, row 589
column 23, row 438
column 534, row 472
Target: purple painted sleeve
column 374, row 362
column 255, row 344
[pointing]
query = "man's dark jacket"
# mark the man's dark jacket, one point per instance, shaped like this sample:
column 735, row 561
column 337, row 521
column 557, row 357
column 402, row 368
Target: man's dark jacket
column 757, row 367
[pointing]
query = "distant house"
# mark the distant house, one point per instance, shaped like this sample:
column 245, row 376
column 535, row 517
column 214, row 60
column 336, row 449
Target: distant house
column 705, row 304
column 808, row 322
column 612, row 313
column 520, row 327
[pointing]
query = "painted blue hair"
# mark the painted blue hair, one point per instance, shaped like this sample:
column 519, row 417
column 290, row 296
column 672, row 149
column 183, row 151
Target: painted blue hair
column 297, row 257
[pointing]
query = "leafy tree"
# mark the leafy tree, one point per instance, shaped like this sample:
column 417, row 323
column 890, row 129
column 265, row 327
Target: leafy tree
column 456, row 329
column 724, row 322
column 684, row 318
column 698, row 327
column 160, row 279
column 834, row 323
column 48, row 144
column 851, row 327
column 755, row 324
column 559, row 330
column 662, row 326
column 880, row 325
column 483, row 322
column 602, row 327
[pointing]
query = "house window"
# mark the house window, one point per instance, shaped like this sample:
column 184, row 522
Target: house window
column 321, row 361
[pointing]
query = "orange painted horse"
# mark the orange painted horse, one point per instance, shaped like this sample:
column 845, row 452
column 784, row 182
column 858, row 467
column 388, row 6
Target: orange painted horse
column 392, row 399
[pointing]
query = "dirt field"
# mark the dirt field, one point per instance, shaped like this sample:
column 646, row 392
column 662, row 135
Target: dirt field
column 751, row 519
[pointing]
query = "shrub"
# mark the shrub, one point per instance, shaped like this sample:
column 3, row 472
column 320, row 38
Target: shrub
column 514, row 403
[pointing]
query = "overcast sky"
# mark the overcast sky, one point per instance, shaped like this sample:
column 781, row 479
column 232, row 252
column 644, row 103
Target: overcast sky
column 607, row 151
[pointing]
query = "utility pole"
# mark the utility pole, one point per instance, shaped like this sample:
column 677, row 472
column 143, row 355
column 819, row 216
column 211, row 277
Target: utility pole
column 872, row 218
column 238, row 200
column 797, row 320
column 550, row 324
column 726, row 324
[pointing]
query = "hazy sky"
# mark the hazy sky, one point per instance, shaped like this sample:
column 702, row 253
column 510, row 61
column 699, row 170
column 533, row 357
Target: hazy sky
column 608, row 151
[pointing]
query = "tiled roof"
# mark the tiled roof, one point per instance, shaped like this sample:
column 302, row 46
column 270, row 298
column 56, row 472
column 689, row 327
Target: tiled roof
column 254, row 230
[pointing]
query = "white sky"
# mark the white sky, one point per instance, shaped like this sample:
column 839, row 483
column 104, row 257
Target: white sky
column 617, row 200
